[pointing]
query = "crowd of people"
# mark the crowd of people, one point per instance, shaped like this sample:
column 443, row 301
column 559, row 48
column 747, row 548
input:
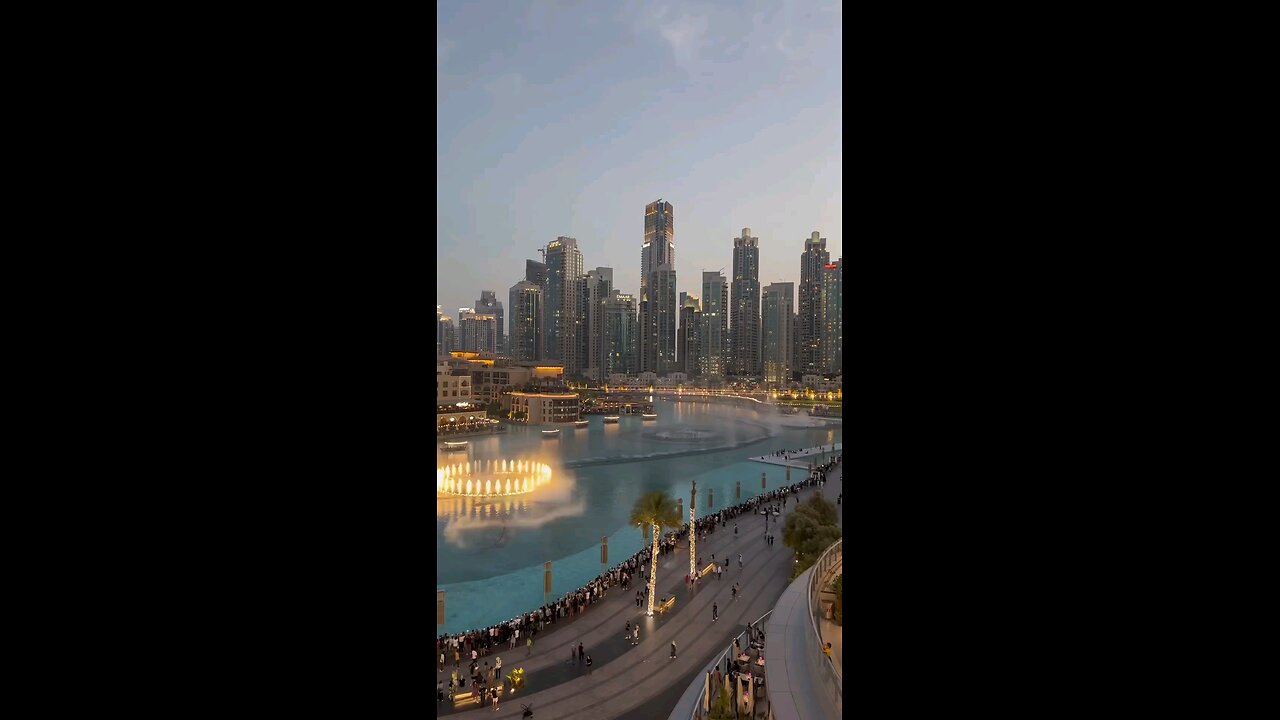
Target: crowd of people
column 472, row 645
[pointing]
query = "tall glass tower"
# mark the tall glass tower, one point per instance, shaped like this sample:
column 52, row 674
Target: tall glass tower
column 560, row 314
column 744, row 314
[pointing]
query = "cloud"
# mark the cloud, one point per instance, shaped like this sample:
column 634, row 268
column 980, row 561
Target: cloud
column 685, row 35
column 443, row 48
column 506, row 87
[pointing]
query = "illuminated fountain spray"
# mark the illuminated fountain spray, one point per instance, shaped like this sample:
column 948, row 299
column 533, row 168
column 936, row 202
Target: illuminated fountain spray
column 490, row 478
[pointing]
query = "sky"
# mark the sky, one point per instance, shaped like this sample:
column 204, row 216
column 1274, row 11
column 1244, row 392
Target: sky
column 567, row 118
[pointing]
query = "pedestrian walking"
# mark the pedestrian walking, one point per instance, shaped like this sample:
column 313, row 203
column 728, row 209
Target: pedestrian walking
column 734, row 591
column 735, row 528
column 588, row 664
column 457, row 657
column 673, row 649
column 441, row 667
column 580, row 653
column 739, row 561
column 627, row 633
column 715, row 612
column 529, row 644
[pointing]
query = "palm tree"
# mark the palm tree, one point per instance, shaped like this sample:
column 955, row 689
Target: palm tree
column 658, row 510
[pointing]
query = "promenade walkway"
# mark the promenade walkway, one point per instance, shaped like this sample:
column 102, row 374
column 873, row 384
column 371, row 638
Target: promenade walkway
column 802, row 458
column 641, row 681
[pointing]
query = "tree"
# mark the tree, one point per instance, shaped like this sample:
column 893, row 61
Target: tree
column 810, row 530
column 658, row 510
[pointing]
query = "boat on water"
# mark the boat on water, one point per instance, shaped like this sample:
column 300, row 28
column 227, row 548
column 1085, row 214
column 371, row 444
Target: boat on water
column 611, row 418
column 649, row 416
column 550, row 433
column 581, row 423
column 452, row 446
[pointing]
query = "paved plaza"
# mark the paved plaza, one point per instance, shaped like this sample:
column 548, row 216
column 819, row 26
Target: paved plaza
column 641, row 681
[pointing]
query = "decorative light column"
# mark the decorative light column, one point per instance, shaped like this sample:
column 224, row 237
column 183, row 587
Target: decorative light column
column 693, row 532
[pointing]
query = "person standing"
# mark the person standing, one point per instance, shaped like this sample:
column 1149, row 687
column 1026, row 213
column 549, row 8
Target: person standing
column 673, row 649
column 529, row 643
column 739, row 561
column 715, row 612
column 588, row 664
column 580, row 652
column 735, row 529
column 573, row 653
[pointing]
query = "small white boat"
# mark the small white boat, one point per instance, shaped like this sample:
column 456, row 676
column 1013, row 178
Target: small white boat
column 611, row 418
column 550, row 433
column 649, row 416
column 454, row 446
column 581, row 423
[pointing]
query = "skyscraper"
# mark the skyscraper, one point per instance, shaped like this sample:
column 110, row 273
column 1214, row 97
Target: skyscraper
column 526, row 321
column 594, row 290
column 744, row 316
column 444, row 333
column 687, row 338
column 658, row 312
column 489, row 304
column 479, row 331
column 659, row 239
column 535, row 272
column 715, row 324
column 832, row 317
column 812, row 260
column 778, row 328
column 620, row 335
column 560, row 303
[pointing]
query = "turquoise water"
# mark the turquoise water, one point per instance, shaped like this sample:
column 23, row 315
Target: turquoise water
column 490, row 553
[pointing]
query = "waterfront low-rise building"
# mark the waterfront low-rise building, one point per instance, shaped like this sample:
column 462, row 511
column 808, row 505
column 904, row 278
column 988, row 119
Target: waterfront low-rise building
column 545, row 407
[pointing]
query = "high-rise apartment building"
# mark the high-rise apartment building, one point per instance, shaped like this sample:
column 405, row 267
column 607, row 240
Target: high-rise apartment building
column 658, row 322
column 479, row 331
column 832, row 317
column 620, row 335
column 658, row 312
column 594, row 290
column 715, row 324
column 526, row 321
column 777, row 331
column 535, row 272
column 812, row 260
column 687, row 337
column 489, row 304
column 445, row 340
column 744, row 314
column 560, row 303
column 659, row 239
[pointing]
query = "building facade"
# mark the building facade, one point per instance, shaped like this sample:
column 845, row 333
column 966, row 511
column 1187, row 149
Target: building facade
column 620, row 335
column 659, row 246
column 545, row 407
column 715, row 325
column 489, row 304
column 832, row 317
column 594, row 292
column 560, row 304
column 525, row 338
column 445, row 339
column 535, row 272
column 660, row 318
column 777, row 334
column 478, row 332
column 812, row 260
column 744, row 314
column 689, row 334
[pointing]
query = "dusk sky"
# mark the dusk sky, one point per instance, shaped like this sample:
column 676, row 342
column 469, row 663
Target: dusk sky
column 567, row 118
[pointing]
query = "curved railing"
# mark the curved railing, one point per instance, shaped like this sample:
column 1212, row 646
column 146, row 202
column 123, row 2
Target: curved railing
column 829, row 676
column 698, row 713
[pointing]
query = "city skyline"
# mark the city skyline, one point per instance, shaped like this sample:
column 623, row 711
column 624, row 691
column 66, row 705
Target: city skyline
column 565, row 120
